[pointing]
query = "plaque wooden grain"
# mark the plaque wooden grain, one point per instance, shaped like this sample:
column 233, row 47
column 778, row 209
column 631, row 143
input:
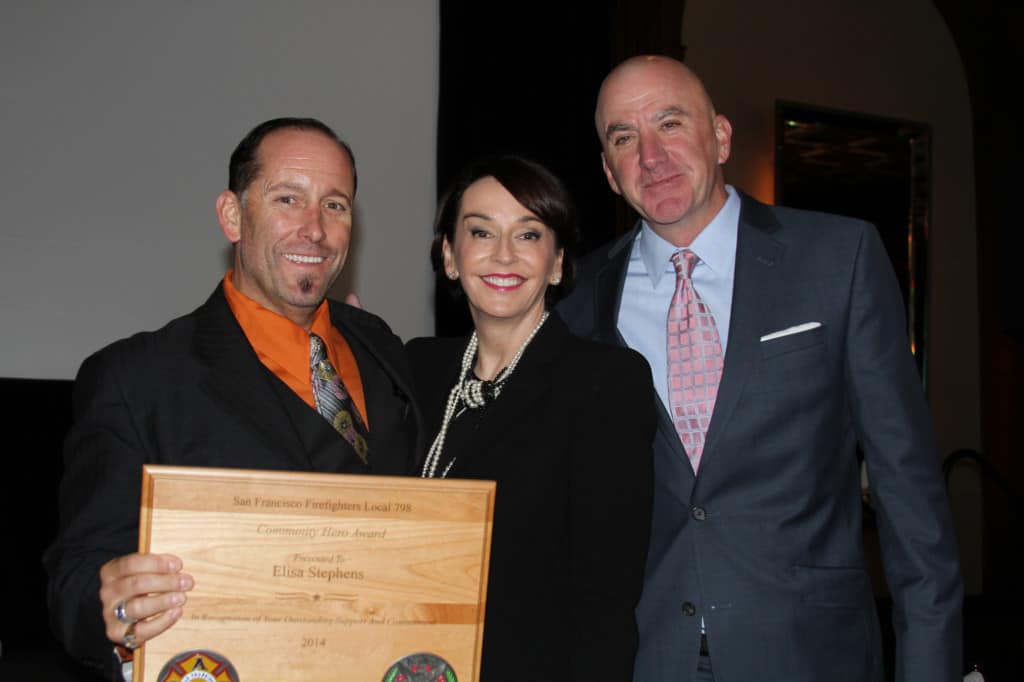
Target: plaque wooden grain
column 303, row 576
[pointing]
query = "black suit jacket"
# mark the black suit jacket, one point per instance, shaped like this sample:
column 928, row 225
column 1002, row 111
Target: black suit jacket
column 195, row 394
column 765, row 544
column 568, row 442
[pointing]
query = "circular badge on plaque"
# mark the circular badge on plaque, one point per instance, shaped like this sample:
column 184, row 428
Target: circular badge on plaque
column 422, row 667
column 198, row 665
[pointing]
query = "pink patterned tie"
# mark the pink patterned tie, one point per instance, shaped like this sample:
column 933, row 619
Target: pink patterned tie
column 695, row 359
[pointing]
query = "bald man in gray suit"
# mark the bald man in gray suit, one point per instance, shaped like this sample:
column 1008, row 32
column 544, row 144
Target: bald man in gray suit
column 756, row 561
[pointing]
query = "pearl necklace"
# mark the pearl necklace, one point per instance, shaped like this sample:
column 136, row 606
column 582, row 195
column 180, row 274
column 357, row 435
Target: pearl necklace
column 472, row 393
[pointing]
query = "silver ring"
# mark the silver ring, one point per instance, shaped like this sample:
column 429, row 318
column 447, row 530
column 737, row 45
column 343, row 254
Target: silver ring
column 129, row 642
column 122, row 614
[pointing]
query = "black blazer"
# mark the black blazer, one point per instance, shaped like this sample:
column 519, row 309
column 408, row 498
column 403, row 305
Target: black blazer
column 765, row 544
column 194, row 393
column 568, row 442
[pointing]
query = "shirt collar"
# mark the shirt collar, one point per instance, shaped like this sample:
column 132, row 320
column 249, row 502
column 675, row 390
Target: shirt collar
column 273, row 335
column 716, row 243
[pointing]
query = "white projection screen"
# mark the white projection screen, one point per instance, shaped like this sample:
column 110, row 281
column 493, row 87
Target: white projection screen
column 118, row 119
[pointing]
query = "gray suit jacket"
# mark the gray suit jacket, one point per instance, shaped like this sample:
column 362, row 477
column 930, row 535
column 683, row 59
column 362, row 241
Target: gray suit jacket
column 766, row 545
column 195, row 394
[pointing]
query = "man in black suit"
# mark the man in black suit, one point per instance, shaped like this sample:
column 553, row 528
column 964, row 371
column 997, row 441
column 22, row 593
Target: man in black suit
column 756, row 562
column 236, row 383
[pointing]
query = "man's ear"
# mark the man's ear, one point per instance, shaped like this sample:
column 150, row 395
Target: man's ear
column 229, row 215
column 608, row 174
column 723, row 135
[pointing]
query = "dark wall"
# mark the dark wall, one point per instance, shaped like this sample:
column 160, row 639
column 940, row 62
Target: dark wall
column 522, row 78
column 37, row 415
column 987, row 36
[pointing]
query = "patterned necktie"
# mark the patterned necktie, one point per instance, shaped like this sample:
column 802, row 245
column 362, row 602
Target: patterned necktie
column 695, row 359
column 333, row 402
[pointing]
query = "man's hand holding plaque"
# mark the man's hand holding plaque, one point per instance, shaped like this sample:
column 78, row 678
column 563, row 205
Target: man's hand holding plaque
column 142, row 596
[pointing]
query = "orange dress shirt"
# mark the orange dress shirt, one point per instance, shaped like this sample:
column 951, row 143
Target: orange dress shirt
column 283, row 346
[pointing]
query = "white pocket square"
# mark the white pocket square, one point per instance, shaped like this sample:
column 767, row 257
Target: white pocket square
column 788, row 331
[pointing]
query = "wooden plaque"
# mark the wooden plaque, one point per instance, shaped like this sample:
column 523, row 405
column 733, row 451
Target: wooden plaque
column 317, row 577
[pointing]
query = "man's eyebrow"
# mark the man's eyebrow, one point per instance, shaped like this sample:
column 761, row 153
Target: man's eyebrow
column 671, row 111
column 613, row 128
column 334, row 192
column 620, row 127
column 293, row 186
column 297, row 187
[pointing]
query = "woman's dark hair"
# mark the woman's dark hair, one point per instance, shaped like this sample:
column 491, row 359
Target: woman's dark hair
column 533, row 186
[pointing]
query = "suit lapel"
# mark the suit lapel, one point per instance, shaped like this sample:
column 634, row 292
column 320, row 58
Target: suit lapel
column 237, row 379
column 325, row 449
column 756, row 287
column 608, row 291
column 384, row 386
column 609, row 283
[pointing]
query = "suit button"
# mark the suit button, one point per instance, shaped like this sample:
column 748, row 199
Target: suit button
column 698, row 513
column 689, row 609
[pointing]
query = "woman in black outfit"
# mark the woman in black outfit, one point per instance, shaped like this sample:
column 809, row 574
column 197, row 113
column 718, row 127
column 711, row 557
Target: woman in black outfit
column 564, row 425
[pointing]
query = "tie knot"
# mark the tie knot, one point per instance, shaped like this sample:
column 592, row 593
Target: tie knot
column 684, row 261
column 317, row 350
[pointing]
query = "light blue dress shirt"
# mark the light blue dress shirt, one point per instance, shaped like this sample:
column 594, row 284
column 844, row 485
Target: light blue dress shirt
column 651, row 282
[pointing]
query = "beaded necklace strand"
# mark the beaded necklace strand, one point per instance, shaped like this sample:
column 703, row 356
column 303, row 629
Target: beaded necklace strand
column 472, row 393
